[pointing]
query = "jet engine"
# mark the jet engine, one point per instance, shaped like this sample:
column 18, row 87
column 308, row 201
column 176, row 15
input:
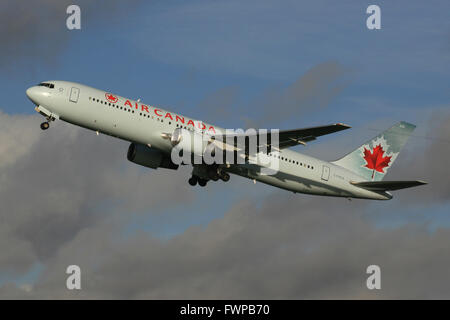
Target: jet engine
column 149, row 157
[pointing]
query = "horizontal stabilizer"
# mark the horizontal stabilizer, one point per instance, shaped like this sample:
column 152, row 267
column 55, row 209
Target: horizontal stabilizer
column 387, row 185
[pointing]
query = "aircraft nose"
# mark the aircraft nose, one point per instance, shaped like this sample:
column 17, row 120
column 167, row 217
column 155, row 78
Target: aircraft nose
column 32, row 94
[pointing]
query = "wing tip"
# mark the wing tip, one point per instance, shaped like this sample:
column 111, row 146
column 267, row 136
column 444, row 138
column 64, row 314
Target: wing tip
column 343, row 125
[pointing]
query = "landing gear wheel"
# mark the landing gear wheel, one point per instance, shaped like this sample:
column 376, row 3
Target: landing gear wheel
column 45, row 125
column 225, row 177
column 193, row 181
column 202, row 182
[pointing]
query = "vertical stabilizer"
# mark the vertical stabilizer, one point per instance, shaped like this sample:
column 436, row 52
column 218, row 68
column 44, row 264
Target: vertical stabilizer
column 375, row 157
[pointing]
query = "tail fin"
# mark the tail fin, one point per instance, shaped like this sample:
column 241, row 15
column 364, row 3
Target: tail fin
column 375, row 157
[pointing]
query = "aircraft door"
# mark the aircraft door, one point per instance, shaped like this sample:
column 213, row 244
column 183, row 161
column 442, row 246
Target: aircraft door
column 325, row 173
column 74, row 93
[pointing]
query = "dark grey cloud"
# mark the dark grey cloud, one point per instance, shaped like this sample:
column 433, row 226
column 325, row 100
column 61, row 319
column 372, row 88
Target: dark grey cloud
column 274, row 251
column 285, row 246
column 430, row 162
column 54, row 184
column 37, row 29
column 312, row 91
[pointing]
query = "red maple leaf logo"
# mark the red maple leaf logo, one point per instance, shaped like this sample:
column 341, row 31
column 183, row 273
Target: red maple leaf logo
column 111, row 98
column 376, row 160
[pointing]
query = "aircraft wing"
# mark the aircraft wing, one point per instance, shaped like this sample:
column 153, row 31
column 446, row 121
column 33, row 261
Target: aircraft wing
column 387, row 185
column 289, row 138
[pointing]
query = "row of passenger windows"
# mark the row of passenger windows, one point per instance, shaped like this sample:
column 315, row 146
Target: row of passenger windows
column 187, row 128
column 292, row 161
column 142, row 114
column 111, row 104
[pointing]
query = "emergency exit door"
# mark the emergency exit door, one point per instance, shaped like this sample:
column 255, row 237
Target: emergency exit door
column 74, row 93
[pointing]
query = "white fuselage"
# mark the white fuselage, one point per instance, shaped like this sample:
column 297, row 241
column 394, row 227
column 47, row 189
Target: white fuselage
column 140, row 123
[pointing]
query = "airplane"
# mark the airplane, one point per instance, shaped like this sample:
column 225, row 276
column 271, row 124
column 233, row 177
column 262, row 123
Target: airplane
column 154, row 133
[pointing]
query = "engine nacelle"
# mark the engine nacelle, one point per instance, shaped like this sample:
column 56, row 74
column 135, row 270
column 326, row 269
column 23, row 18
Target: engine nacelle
column 149, row 157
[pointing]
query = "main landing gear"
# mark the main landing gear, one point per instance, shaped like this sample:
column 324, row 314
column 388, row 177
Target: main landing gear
column 225, row 177
column 202, row 182
column 201, row 174
column 194, row 180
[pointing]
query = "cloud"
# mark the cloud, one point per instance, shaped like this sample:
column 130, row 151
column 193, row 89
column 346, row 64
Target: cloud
column 312, row 91
column 430, row 162
column 285, row 246
column 37, row 29
column 271, row 252
column 56, row 183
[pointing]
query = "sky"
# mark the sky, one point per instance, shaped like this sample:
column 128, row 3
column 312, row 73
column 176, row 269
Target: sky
column 71, row 197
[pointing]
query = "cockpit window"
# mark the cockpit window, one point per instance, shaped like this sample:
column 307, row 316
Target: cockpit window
column 48, row 85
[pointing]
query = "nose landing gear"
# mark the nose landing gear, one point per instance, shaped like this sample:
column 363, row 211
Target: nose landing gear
column 45, row 125
column 49, row 117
